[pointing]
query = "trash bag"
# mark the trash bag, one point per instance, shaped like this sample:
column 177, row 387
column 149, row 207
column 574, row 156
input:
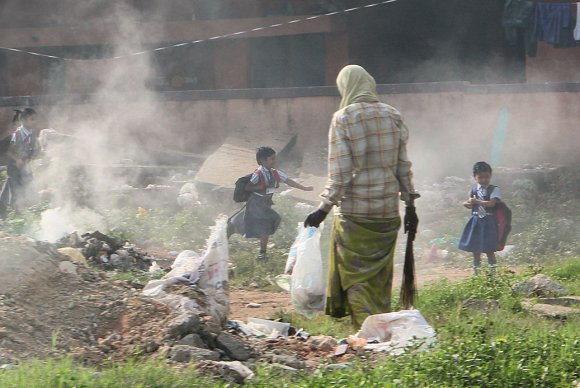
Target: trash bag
column 308, row 284
column 291, row 261
column 396, row 331
column 209, row 273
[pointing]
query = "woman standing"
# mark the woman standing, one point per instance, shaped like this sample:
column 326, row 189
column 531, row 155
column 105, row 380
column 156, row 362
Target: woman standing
column 368, row 173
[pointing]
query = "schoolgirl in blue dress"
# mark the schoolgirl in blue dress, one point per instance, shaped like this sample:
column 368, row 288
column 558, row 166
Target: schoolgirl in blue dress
column 480, row 234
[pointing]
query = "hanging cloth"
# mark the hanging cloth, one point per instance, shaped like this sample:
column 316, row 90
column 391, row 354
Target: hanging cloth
column 554, row 24
column 577, row 29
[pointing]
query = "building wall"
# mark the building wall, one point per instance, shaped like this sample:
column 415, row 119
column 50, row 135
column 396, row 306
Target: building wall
column 451, row 125
column 553, row 65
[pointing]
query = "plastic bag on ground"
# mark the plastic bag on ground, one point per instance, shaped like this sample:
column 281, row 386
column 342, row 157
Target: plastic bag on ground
column 283, row 281
column 308, row 285
column 209, row 272
column 396, row 331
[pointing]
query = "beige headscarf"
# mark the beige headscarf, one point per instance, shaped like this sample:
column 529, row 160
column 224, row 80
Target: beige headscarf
column 355, row 84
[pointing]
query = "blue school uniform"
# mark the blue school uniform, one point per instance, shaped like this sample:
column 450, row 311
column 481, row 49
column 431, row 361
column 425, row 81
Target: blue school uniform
column 258, row 219
column 480, row 233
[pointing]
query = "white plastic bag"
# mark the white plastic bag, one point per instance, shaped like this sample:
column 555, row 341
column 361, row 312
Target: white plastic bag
column 308, row 284
column 396, row 331
column 291, row 261
column 209, row 272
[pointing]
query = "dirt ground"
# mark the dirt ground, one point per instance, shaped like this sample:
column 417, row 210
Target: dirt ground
column 50, row 307
column 261, row 304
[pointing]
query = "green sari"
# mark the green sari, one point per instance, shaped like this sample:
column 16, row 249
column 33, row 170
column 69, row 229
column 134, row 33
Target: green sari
column 361, row 266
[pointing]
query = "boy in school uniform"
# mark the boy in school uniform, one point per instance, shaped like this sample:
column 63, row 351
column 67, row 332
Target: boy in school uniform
column 259, row 220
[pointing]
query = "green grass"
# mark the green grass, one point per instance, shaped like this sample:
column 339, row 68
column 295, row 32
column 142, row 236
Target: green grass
column 67, row 374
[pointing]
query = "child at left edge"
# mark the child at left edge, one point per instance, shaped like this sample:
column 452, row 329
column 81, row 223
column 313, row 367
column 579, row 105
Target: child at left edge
column 259, row 220
column 480, row 234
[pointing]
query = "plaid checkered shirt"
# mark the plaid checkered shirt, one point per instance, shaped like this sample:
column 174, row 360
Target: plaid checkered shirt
column 367, row 161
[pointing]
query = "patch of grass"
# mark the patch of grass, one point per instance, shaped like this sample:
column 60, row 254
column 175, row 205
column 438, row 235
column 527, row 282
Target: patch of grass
column 133, row 276
column 67, row 374
column 319, row 325
column 568, row 273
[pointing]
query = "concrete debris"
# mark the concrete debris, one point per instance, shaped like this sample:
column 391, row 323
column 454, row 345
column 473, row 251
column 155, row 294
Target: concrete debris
column 67, row 267
column 283, row 368
column 182, row 325
column 192, row 340
column 550, row 310
column 233, row 346
column 104, row 252
column 539, row 286
column 230, row 371
column 186, row 353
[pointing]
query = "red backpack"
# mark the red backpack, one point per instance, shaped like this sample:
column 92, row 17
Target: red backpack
column 503, row 219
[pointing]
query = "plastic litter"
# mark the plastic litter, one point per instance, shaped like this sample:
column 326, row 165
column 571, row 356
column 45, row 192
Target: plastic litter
column 208, row 273
column 283, row 281
column 396, row 331
column 264, row 327
column 308, row 286
column 155, row 268
column 291, row 260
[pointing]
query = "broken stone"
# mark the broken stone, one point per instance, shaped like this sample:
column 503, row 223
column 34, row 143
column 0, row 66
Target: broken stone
column 186, row 353
column 323, row 342
column 550, row 311
column 283, row 368
column 230, row 371
column 540, row 286
column 484, row 306
column 253, row 305
column 287, row 360
column 184, row 324
column 569, row 301
column 192, row 340
column 234, row 347
column 150, row 346
column 67, row 267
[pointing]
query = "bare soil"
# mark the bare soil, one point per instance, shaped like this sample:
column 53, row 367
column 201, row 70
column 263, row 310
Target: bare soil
column 45, row 312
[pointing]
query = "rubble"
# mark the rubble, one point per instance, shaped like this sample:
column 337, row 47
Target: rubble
column 230, row 371
column 540, row 286
column 192, row 340
column 104, row 252
column 233, row 347
column 186, row 353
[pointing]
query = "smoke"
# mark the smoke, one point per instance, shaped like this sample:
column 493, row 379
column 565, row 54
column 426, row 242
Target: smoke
column 95, row 147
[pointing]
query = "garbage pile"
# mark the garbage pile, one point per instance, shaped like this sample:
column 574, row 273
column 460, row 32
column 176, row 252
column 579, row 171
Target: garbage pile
column 104, row 252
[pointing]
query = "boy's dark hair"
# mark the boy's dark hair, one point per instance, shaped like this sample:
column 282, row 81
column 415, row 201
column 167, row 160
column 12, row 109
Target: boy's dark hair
column 480, row 167
column 264, row 153
column 23, row 114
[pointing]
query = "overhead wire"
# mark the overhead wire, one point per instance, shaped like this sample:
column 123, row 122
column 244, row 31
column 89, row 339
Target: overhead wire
column 183, row 44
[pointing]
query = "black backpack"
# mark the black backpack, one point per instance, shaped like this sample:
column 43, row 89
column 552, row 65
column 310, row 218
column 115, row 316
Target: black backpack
column 240, row 193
